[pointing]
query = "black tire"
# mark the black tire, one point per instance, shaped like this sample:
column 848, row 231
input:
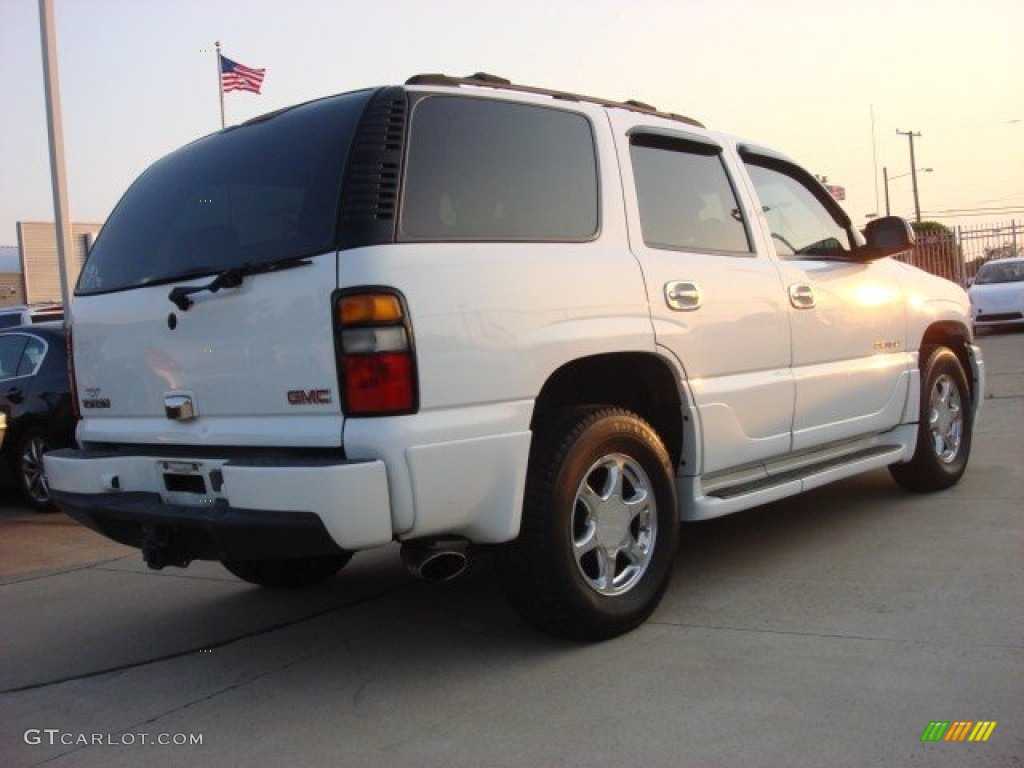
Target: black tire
column 945, row 427
column 627, row 530
column 29, row 472
column 292, row 573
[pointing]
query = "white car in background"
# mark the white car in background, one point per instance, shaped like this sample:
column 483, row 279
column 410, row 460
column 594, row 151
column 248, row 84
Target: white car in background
column 997, row 294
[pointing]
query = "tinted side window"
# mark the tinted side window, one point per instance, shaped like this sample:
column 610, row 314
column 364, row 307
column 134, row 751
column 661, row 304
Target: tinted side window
column 32, row 357
column 685, row 197
column 11, row 349
column 490, row 170
column 801, row 225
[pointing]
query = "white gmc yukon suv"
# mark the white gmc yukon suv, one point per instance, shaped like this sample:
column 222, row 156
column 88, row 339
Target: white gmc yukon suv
column 460, row 314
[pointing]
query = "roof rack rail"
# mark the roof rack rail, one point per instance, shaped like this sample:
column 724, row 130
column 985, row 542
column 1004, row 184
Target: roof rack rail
column 483, row 79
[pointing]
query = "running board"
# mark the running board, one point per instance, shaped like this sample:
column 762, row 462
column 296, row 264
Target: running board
column 722, row 493
column 744, row 489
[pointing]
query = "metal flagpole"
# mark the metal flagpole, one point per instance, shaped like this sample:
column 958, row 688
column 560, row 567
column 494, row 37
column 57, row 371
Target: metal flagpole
column 220, row 85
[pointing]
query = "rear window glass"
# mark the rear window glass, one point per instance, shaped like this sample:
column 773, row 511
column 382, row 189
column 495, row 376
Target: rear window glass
column 479, row 169
column 259, row 193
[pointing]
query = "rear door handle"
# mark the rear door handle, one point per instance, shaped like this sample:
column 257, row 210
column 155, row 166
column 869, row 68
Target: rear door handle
column 682, row 296
column 801, row 296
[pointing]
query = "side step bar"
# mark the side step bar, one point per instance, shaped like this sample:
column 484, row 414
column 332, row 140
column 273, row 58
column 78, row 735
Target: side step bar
column 703, row 498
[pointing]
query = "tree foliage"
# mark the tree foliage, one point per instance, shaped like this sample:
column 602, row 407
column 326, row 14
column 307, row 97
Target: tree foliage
column 933, row 228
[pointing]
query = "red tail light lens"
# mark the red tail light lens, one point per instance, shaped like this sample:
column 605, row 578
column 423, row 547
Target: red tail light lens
column 376, row 360
column 379, row 384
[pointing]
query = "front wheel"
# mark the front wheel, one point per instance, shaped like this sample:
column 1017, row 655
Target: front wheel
column 600, row 526
column 290, row 573
column 945, row 426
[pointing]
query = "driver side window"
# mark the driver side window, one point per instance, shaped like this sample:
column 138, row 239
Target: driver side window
column 801, row 226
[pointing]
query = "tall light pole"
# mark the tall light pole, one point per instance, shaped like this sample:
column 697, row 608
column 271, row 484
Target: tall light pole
column 913, row 173
column 55, row 130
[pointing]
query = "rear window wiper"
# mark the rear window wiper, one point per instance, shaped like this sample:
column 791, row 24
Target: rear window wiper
column 230, row 278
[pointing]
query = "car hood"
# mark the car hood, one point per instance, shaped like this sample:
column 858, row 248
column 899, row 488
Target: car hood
column 996, row 290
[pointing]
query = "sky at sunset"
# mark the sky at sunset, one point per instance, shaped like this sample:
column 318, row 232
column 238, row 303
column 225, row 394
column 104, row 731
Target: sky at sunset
column 827, row 83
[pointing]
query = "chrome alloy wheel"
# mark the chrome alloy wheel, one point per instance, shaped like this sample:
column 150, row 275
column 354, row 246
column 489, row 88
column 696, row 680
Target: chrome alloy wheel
column 33, row 473
column 614, row 524
column 946, row 419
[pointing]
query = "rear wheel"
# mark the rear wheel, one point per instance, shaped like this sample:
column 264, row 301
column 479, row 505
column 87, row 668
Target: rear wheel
column 945, row 426
column 599, row 529
column 30, row 472
column 291, row 573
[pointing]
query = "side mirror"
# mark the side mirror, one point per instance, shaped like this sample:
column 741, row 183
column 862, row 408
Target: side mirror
column 886, row 236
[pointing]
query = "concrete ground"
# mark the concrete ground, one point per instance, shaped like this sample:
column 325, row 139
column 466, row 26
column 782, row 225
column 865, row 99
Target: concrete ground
column 827, row 630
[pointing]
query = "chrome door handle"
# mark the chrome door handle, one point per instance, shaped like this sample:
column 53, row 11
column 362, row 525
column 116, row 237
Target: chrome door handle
column 682, row 296
column 801, row 296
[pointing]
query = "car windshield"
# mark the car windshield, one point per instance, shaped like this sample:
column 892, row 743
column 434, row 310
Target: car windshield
column 996, row 272
column 263, row 192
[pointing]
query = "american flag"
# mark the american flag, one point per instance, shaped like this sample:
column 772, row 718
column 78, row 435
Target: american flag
column 238, row 77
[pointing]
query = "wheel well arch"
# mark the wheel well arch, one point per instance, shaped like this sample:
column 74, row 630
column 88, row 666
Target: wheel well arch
column 640, row 382
column 956, row 336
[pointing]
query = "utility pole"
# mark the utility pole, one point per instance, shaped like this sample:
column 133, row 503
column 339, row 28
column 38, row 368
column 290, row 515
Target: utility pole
column 913, row 171
column 885, row 176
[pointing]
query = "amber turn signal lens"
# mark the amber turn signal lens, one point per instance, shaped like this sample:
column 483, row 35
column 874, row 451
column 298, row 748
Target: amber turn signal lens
column 369, row 308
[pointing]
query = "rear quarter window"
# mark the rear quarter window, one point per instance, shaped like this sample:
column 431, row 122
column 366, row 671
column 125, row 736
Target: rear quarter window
column 479, row 169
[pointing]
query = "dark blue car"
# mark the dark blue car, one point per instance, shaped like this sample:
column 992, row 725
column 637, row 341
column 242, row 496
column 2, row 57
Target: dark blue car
column 36, row 413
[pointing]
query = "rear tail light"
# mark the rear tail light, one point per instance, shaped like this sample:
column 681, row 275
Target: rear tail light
column 376, row 359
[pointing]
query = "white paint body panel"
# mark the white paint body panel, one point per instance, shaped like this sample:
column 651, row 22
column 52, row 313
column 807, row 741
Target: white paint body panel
column 734, row 350
column 238, row 352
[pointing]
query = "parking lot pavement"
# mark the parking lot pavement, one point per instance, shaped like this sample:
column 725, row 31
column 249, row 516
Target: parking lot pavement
column 47, row 542
column 827, row 630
